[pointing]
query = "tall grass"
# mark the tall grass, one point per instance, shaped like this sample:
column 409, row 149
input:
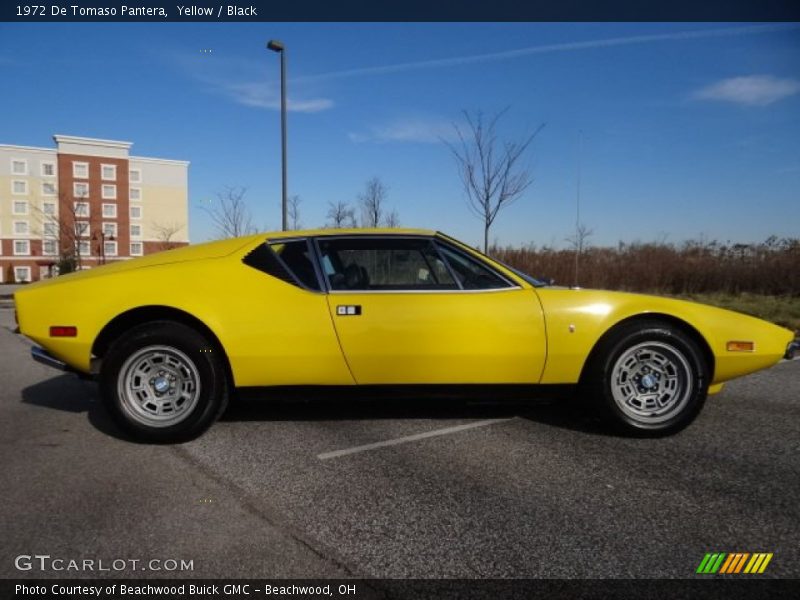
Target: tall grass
column 771, row 267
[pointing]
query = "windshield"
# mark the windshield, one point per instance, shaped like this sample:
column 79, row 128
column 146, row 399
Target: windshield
column 529, row 278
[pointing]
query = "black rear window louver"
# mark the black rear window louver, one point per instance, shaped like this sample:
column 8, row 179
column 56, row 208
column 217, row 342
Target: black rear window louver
column 264, row 259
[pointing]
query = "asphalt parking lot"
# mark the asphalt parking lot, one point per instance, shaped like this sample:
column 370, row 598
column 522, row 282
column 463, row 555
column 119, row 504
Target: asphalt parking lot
column 397, row 489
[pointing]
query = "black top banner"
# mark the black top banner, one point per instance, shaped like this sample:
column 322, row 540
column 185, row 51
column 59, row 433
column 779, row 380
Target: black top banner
column 403, row 10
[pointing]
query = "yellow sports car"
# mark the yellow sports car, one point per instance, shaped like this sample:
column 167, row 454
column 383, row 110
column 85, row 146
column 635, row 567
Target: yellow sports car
column 170, row 335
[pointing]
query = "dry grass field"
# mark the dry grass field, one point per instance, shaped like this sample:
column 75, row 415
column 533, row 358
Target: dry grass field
column 761, row 279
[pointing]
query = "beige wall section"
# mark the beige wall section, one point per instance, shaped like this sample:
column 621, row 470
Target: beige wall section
column 34, row 157
column 165, row 198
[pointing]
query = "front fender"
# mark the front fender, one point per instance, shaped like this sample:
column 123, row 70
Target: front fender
column 576, row 320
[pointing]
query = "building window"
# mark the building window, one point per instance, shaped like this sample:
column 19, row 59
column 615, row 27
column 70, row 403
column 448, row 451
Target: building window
column 22, row 247
column 21, row 228
column 110, row 248
column 49, row 229
column 109, row 192
column 135, row 175
column 22, row 274
column 80, row 170
column 84, row 248
column 81, row 209
column 19, row 166
column 80, row 190
column 48, row 188
column 136, row 231
column 136, row 212
column 19, row 187
column 48, row 169
column 108, row 172
column 81, row 228
column 49, row 248
column 49, row 208
column 109, row 211
column 20, row 207
column 135, row 193
column 137, row 249
column 110, row 229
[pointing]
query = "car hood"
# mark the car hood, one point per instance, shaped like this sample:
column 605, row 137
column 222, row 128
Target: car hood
column 207, row 250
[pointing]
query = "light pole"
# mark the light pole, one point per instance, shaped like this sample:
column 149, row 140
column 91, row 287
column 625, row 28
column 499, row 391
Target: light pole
column 101, row 235
column 278, row 47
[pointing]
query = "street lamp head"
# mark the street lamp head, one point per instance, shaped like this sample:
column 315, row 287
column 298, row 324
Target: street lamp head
column 275, row 45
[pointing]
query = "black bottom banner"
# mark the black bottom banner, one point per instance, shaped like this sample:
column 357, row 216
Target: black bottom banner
column 230, row 589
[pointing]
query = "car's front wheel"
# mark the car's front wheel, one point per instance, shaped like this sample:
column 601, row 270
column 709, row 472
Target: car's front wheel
column 649, row 379
column 164, row 382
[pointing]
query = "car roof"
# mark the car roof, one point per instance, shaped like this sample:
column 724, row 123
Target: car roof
column 347, row 231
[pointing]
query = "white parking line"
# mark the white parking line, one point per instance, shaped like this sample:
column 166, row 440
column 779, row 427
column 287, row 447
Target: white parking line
column 409, row 438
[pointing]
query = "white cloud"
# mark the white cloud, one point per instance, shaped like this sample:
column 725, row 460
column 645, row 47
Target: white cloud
column 547, row 49
column 752, row 90
column 262, row 95
column 414, row 130
column 243, row 82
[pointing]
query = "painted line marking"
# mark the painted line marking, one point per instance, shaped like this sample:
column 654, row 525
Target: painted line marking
column 409, row 438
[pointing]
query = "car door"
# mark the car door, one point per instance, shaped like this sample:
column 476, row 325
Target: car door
column 277, row 325
column 411, row 311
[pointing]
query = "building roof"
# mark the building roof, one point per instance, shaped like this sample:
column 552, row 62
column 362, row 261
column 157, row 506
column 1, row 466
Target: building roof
column 73, row 139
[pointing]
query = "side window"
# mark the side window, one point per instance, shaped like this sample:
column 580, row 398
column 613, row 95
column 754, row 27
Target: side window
column 288, row 261
column 471, row 274
column 296, row 255
column 384, row 264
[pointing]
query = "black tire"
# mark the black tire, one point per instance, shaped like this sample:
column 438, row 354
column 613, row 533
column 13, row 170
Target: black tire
column 647, row 379
column 160, row 368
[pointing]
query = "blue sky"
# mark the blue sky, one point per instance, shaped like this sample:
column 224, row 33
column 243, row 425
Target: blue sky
column 689, row 129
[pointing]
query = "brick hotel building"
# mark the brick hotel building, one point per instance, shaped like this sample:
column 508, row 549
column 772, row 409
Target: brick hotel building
column 111, row 205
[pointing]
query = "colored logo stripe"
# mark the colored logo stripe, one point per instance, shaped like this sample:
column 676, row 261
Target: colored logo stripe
column 758, row 563
column 734, row 562
column 711, row 562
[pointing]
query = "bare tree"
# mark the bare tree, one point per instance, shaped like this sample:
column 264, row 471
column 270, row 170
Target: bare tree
column 341, row 214
column 71, row 227
column 578, row 242
column 165, row 232
column 392, row 219
column 293, row 209
column 230, row 214
column 372, row 203
column 488, row 168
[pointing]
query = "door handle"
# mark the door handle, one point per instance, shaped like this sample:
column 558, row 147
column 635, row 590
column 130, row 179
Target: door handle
column 348, row 310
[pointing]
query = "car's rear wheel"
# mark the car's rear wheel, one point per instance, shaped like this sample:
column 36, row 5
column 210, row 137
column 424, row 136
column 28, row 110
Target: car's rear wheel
column 164, row 382
column 648, row 378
